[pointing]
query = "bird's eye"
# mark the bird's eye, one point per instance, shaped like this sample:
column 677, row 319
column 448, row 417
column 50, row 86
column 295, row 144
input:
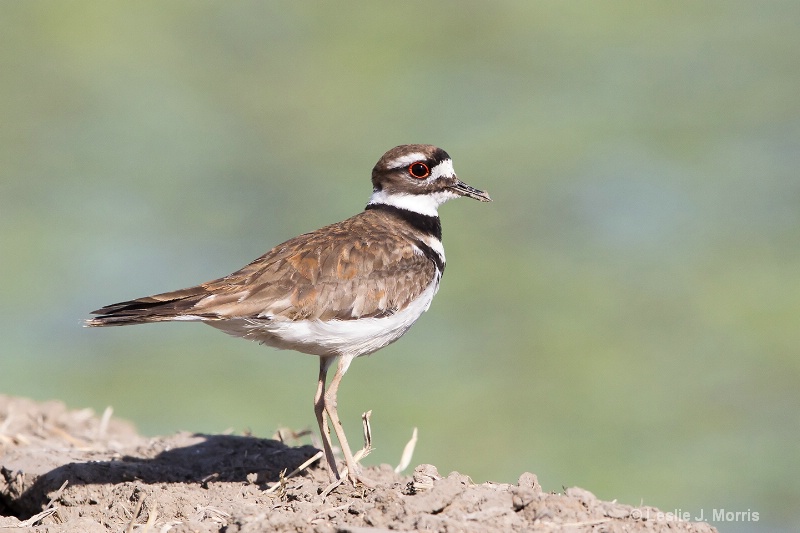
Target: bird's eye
column 419, row 170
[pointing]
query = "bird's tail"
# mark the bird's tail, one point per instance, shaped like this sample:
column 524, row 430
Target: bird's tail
column 163, row 307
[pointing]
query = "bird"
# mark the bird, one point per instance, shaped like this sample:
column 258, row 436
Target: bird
column 343, row 291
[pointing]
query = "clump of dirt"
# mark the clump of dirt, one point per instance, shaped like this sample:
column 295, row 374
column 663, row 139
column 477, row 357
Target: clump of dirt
column 70, row 471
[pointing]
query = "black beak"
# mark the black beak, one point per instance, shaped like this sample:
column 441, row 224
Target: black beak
column 467, row 190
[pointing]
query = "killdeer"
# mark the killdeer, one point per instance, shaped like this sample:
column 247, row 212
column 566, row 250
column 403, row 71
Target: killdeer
column 342, row 291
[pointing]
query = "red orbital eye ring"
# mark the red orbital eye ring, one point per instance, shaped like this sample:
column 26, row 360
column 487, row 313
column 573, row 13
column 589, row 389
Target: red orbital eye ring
column 419, row 170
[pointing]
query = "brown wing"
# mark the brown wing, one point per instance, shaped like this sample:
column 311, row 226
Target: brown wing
column 365, row 266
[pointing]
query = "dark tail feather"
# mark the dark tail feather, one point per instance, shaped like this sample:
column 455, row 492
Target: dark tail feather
column 175, row 305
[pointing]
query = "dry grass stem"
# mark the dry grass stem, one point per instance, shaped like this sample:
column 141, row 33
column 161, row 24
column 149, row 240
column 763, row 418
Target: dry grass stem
column 151, row 520
column 367, row 430
column 408, row 453
column 333, row 485
column 57, row 495
column 564, row 526
column 102, row 429
column 217, row 515
column 285, row 435
column 319, row 514
column 136, row 511
column 37, row 518
column 316, row 457
column 363, row 452
column 7, row 422
column 78, row 443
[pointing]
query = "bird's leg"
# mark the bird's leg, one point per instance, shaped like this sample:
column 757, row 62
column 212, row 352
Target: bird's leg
column 322, row 419
column 330, row 406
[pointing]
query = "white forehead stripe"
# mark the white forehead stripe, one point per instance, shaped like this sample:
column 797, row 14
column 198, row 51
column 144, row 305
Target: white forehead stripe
column 445, row 168
column 407, row 160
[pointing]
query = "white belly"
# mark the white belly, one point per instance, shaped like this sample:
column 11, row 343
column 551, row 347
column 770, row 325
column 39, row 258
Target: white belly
column 333, row 337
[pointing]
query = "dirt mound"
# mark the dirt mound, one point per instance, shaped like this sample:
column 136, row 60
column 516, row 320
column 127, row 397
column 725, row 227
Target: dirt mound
column 70, row 471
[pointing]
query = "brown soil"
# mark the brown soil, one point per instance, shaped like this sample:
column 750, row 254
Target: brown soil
column 68, row 471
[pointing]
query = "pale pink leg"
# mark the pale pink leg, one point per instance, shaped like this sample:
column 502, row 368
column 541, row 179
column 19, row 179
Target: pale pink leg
column 330, row 406
column 320, row 411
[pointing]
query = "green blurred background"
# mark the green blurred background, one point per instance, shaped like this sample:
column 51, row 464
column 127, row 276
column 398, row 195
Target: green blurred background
column 623, row 317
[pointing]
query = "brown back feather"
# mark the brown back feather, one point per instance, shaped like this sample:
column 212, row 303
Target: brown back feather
column 365, row 266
